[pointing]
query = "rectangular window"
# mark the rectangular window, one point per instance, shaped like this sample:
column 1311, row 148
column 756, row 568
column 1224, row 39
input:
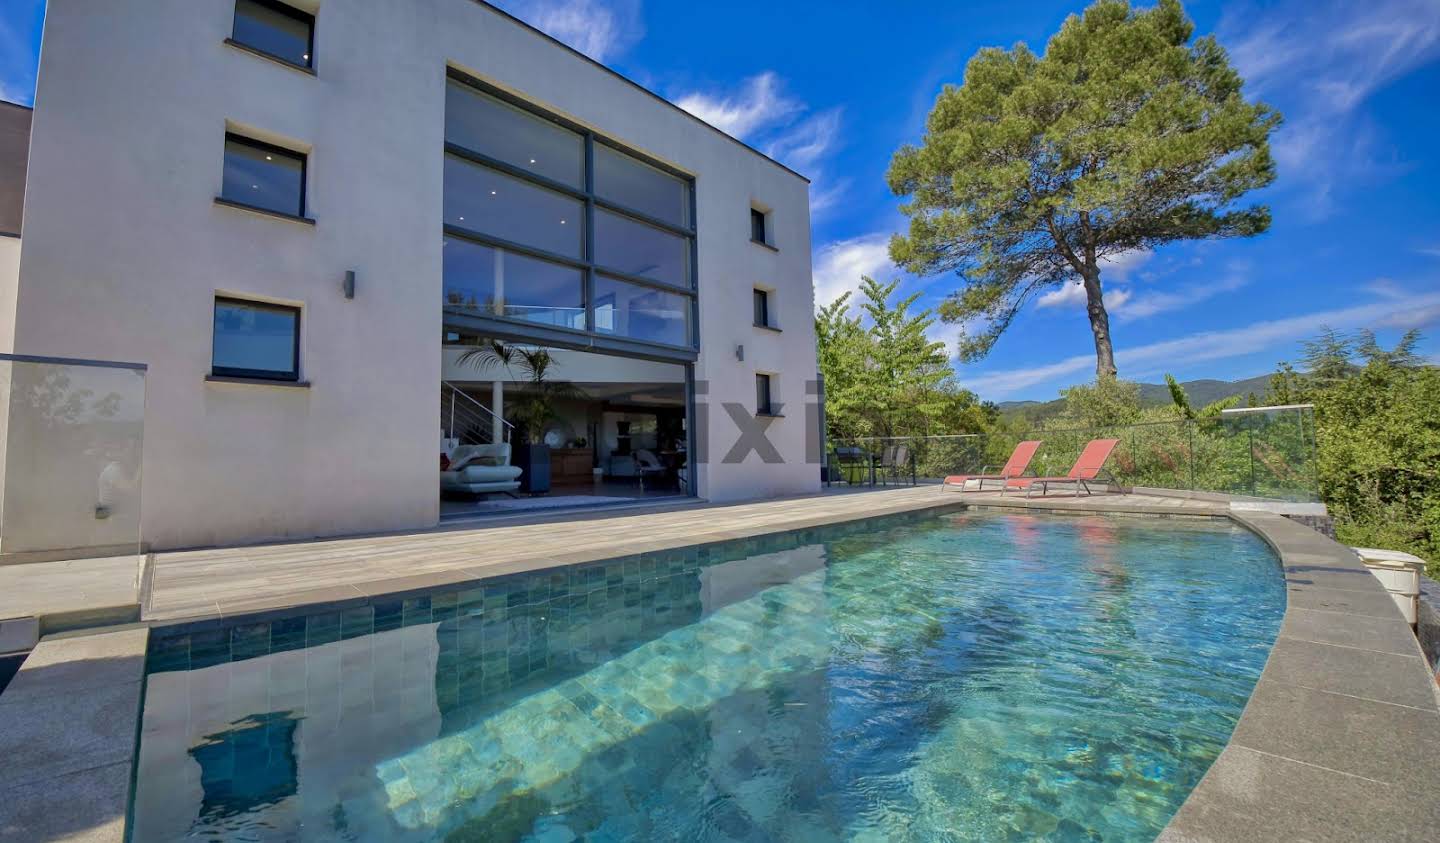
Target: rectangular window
column 276, row 29
column 489, row 202
column 762, row 309
column 498, row 282
column 501, row 131
column 256, row 340
column 642, row 313
column 264, row 176
column 634, row 248
column 757, row 226
column 625, row 181
column 762, row 395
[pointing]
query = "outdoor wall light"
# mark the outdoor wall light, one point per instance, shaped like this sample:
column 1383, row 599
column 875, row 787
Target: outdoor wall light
column 348, row 286
column 740, row 352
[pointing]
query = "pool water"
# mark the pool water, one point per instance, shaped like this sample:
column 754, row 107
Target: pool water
column 945, row 676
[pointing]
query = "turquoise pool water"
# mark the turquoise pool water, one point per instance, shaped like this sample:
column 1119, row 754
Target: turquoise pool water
column 948, row 676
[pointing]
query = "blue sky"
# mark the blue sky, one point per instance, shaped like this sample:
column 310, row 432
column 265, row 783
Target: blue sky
column 832, row 89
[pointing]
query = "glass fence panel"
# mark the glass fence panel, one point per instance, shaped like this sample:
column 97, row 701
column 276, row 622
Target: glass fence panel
column 1266, row 452
column 71, row 440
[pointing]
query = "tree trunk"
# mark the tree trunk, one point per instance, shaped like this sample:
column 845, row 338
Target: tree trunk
column 1099, row 325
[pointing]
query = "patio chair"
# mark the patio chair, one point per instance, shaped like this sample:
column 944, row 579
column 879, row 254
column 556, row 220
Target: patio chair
column 895, row 465
column 1016, row 466
column 1089, row 466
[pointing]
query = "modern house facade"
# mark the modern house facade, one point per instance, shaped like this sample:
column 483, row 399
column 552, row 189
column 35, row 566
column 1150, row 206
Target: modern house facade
column 298, row 215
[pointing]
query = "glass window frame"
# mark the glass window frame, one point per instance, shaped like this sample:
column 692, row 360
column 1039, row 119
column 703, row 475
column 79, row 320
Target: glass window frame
column 761, row 302
column 761, row 220
column 290, row 376
column 764, row 388
column 294, row 13
column 303, row 158
column 587, row 195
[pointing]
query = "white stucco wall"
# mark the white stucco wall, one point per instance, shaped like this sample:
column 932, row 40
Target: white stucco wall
column 125, row 250
column 9, row 285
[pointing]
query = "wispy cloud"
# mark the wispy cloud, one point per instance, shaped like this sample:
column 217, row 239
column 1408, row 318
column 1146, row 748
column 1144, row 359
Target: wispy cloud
column 759, row 104
column 1432, row 251
column 1126, row 301
column 1114, row 269
column 1401, row 309
column 601, row 29
column 1322, row 62
column 839, row 265
column 759, row 112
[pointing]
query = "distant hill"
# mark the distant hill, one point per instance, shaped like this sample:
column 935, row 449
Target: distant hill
column 1201, row 392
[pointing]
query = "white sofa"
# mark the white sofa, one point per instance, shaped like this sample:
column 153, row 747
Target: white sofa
column 480, row 468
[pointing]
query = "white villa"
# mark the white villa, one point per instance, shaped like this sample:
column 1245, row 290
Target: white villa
column 291, row 218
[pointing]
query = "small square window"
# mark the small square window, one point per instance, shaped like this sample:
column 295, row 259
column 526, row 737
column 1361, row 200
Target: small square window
column 757, row 226
column 762, row 308
column 263, row 176
column 276, row 29
column 256, row 340
column 762, row 395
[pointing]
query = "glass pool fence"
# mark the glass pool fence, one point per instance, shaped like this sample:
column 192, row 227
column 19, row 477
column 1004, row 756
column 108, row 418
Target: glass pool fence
column 71, row 437
column 1261, row 452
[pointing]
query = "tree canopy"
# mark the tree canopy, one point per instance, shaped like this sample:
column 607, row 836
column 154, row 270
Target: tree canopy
column 883, row 375
column 1124, row 135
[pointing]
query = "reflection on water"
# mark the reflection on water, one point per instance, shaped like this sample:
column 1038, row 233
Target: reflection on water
column 925, row 678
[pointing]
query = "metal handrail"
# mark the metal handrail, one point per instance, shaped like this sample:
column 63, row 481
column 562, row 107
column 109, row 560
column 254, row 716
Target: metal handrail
column 488, row 414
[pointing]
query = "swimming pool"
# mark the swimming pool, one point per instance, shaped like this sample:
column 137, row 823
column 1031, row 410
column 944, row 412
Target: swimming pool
column 944, row 676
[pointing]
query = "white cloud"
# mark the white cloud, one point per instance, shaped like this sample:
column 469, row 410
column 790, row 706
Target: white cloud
column 801, row 146
column 1411, row 310
column 1323, row 61
column 1127, row 302
column 758, row 105
column 1432, row 251
column 601, row 29
column 1113, row 269
column 762, row 114
column 839, row 265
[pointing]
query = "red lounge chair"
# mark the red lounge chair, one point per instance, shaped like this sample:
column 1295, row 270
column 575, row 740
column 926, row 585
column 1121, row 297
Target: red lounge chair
column 1016, row 466
column 1088, row 467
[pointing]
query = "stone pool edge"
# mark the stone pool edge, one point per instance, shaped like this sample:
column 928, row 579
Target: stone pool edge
column 1340, row 740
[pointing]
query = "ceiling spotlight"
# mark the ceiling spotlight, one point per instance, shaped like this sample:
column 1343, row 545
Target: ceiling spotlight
column 268, row 158
column 532, row 160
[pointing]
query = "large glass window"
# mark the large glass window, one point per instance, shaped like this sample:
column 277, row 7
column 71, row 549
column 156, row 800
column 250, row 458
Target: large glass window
column 498, row 282
column 635, row 248
column 263, row 176
column 626, row 181
column 256, row 340
column 486, row 125
column 534, row 236
column 275, row 29
column 489, row 202
column 641, row 313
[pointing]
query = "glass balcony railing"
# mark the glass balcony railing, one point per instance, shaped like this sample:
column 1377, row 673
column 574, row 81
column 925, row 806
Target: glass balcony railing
column 1262, row 452
column 71, row 440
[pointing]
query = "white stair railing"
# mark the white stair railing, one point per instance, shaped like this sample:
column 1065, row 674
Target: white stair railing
column 466, row 420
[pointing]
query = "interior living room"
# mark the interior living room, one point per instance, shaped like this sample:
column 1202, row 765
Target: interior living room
column 526, row 427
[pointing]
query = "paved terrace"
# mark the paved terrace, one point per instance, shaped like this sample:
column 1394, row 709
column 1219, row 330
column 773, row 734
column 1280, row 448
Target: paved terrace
column 204, row 584
column 1340, row 740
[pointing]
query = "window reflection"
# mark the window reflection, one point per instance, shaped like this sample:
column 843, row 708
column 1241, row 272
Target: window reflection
column 626, row 181
column 639, row 249
column 264, row 176
column 275, row 29
column 495, row 281
column 489, row 202
column 486, row 125
column 642, row 313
